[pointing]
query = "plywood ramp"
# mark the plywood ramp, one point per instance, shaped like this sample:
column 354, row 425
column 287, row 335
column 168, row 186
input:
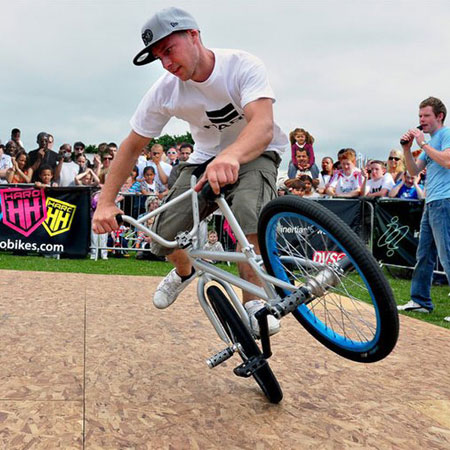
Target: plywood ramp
column 87, row 362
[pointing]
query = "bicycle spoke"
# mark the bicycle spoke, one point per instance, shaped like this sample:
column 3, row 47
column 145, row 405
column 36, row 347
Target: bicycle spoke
column 345, row 313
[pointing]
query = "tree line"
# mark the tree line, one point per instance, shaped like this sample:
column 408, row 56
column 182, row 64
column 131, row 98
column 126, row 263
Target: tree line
column 166, row 140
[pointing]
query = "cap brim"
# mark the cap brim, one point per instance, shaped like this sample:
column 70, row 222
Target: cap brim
column 145, row 56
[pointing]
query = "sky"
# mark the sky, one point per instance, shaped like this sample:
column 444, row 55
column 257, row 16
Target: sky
column 352, row 73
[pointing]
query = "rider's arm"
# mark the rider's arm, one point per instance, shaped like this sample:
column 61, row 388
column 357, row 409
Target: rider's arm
column 251, row 142
column 130, row 149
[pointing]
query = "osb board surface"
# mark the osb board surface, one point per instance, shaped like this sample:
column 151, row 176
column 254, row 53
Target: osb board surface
column 88, row 355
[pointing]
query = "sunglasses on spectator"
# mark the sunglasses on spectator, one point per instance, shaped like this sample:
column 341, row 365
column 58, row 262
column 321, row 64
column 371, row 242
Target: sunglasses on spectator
column 107, row 157
column 394, row 158
column 171, row 153
column 78, row 148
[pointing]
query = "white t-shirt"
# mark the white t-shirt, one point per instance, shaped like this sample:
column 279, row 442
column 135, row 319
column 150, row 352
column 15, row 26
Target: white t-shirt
column 323, row 180
column 346, row 183
column 313, row 194
column 152, row 188
column 385, row 182
column 69, row 171
column 213, row 108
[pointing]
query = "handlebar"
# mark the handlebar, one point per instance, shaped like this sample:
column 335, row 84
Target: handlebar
column 210, row 195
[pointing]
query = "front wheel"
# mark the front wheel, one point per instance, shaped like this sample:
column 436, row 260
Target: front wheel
column 239, row 334
column 356, row 316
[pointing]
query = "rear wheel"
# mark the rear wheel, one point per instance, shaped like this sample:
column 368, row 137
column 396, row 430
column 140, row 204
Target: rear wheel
column 356, row 315
column 239, row 334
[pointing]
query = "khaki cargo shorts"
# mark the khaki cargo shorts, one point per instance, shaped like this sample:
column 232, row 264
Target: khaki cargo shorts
column 255, row 187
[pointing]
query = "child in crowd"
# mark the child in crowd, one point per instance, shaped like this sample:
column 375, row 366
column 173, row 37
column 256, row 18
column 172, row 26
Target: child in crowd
column 213, row 244
column 45, row 176
column 282, row 189
column 87, row 178
column 295, row 186
column 309, row 191
column 148, row 185
column 300, row 138
column 132, row 186
column 118, row 239
column 143, row 240
column 380, row 183
column 97, row 240
column 408, row 187
column 348, row 181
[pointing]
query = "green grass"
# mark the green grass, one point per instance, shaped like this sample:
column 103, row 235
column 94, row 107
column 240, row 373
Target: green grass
column 113, row 266
column 131, row 266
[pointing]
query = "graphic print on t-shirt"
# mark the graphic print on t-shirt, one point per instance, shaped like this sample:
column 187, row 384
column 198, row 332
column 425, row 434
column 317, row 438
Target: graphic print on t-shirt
column 223, row 118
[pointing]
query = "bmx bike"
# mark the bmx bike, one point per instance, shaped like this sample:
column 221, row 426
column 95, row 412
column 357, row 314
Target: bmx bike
column 312, row 265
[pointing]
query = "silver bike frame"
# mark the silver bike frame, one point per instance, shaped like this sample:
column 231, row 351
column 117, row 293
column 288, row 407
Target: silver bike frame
column 208, row 272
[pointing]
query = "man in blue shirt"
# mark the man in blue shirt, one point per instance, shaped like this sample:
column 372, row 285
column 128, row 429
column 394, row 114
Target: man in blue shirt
column 434, row 239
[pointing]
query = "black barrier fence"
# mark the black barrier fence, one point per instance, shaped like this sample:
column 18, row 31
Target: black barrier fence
column 58, row 221
column 390, row 227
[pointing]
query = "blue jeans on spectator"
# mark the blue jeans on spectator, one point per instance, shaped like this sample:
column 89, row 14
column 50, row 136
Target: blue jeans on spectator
column 434, row 240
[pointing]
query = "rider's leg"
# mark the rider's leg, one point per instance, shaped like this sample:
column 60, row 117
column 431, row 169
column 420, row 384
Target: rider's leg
column 245, row 270
column 177, row 279
column 180, row 260
column 254, row 305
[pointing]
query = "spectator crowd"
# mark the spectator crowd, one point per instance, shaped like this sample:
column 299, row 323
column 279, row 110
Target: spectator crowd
column 157, row 168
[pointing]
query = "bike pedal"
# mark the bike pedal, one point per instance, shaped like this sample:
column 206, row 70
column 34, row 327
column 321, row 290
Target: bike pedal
column 221, row 357
column 249, row 367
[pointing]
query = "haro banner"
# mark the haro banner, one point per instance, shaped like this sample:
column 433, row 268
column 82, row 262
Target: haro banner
column 50, row 221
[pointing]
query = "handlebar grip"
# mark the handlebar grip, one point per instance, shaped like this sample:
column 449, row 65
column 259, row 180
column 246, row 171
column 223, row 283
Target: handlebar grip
column 209, row 194
column 119, row 219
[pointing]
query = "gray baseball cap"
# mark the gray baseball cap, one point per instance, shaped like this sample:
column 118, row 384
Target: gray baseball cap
column 163, row 23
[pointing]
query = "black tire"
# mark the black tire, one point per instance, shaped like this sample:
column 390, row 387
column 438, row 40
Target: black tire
column 357, row 318
column 238, row 333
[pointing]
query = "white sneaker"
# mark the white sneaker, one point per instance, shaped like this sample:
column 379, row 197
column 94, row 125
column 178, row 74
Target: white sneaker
column 252, row 307
column 447, row 319
column 412, row 306
column 169, row 288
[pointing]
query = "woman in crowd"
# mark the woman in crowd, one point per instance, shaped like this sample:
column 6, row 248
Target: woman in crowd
column 21, row 171
column 82, row 161
column 103, row 167
column 301, row 139
column 396, row 165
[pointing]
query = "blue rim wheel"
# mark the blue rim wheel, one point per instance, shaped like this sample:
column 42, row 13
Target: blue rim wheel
column 355, row 317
